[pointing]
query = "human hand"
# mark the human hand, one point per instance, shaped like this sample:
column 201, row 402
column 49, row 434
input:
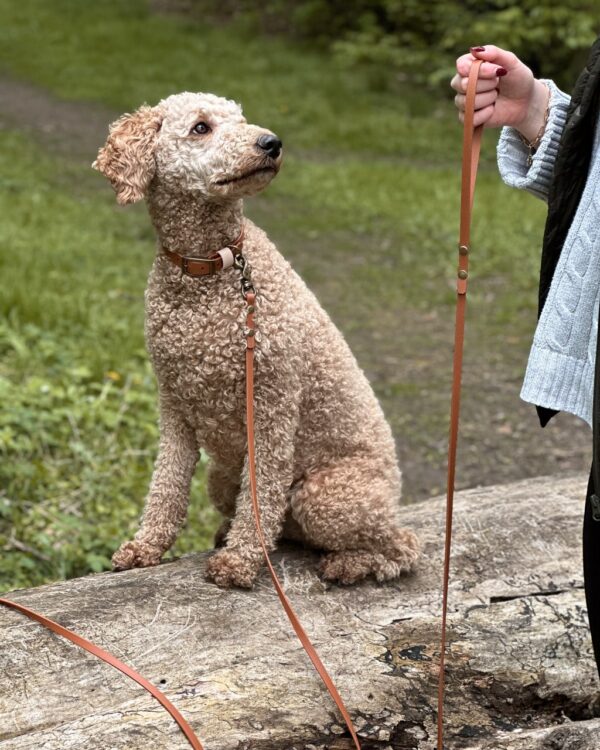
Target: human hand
column 507, row 92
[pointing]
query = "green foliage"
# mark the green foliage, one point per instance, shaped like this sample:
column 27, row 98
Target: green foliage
column 121, row 54
column 404, row 39
column 72, row 448
column 395, row 41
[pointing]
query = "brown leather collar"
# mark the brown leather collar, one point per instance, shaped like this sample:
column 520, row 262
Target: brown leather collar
column 216, row 262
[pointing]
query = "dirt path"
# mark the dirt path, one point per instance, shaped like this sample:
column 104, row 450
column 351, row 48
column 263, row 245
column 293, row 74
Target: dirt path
column 73, row 129
column 406, row 353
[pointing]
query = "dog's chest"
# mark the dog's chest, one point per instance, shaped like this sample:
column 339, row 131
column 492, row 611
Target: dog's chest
column 196, row 343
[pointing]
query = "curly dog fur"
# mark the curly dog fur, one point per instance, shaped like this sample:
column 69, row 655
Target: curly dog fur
column 327, row 472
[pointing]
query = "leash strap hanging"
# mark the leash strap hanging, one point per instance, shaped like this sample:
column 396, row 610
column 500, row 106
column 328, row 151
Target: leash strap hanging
column 285, row 602
column 114, row 662
column 470, row 160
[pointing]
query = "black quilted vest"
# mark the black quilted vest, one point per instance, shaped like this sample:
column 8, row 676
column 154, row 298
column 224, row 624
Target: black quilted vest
column 570, row 174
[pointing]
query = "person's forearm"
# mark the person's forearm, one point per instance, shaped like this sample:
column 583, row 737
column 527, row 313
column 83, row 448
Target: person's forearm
column 531, row 127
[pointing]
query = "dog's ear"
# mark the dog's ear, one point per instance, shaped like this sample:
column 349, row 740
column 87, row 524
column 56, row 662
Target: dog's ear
column 127, row 157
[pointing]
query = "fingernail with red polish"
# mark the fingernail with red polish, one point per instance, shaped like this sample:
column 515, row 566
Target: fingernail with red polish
column 477, row 49
column 501, row 72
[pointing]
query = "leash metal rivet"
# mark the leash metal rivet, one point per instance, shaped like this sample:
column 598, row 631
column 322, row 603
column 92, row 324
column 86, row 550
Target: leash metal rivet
column 463, row 274
column 250, row 309
column 463, row 250
column 250, row 332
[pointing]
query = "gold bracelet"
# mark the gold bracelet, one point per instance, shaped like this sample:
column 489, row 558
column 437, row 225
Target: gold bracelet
column 534, row 144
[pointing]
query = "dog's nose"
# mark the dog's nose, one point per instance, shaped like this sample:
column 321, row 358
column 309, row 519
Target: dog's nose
column 270, row 144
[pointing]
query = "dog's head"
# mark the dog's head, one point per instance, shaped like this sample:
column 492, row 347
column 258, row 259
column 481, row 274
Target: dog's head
column 197, row 143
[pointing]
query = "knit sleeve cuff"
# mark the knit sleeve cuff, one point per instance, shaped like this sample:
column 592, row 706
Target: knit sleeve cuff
column 512, row 152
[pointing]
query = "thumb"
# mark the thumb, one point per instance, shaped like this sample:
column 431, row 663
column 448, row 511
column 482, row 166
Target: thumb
column 496, row 55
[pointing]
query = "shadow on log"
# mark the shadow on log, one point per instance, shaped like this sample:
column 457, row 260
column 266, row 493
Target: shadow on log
column 520, row 671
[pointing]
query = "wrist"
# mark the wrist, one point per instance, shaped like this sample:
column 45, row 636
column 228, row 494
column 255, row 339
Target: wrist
column 533, row 124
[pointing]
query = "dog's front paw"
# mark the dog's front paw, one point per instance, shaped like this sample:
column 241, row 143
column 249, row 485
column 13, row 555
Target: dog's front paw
column 227, row 568
column 135, row 555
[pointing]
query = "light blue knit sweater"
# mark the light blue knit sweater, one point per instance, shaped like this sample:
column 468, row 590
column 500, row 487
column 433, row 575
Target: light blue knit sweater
column 560, row 370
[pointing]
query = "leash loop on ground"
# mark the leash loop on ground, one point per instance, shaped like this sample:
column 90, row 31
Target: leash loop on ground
column 470, row 160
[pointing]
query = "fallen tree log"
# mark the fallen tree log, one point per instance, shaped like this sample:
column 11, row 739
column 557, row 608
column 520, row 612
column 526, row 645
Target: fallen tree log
column 520, row 668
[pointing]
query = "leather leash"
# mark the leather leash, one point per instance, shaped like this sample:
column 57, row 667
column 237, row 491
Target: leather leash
column 470, row 160
column 250, row 296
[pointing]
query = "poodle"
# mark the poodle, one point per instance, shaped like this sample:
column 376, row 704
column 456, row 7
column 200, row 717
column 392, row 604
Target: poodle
column 327, row 473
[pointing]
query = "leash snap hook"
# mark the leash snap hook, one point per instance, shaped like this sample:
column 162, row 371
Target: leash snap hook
column 245, row 270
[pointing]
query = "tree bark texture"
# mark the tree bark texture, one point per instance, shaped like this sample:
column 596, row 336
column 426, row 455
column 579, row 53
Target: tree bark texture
column 520, row 672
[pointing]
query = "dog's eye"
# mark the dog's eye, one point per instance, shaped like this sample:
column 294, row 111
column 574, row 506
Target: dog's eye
column 201, row 128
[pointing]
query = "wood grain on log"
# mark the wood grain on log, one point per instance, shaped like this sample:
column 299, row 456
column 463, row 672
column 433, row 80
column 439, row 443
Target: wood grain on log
column 520, row 671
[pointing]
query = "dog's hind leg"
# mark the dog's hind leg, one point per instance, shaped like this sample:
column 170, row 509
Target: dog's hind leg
column 349, row 508
column 223, row 486
column 348, row 566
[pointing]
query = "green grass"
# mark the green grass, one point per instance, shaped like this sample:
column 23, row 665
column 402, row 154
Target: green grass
column 118, row 53
column 357, row 161
column 366, row 176
column 78, row 420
